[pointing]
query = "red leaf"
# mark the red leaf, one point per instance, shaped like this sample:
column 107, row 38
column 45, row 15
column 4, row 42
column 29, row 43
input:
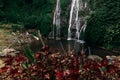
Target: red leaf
column 104, row 63
column 4, row 69
column 37, row 55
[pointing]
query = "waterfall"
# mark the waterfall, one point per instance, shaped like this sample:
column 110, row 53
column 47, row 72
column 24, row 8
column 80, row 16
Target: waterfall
column 56, row 21
column 77, row 21
column 71, row 18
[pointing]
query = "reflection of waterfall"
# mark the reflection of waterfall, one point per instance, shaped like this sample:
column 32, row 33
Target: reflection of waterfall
column 77, row 22
column 56, row 21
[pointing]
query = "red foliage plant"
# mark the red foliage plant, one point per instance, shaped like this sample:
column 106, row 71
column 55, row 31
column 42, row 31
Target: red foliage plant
column 57, row 66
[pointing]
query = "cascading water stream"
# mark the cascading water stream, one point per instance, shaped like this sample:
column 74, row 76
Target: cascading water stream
column 77, row 21
column 56, row 22
column 56, row 19
column 70, row 20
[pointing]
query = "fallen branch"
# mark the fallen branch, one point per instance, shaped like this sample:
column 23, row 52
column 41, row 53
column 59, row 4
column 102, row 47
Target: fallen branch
column 40, row 37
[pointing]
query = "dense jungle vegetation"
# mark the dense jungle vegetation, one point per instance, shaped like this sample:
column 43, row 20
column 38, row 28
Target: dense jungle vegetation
column 103, row 24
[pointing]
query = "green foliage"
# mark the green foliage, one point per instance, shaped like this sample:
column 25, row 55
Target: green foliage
column 16, row 27
column 45, row 24
column 65, row 11
column 36, row 14
column 31, row 21
column 29, row 54
column 104, row 24
column 2, row 16
column 108, row 46
column 112, row 34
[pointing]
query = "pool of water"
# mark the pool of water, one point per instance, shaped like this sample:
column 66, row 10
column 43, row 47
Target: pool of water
column 71, row 45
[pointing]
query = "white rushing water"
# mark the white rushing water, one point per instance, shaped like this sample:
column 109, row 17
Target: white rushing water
column 71, row 18
column 77, row 20
column 56, row 20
